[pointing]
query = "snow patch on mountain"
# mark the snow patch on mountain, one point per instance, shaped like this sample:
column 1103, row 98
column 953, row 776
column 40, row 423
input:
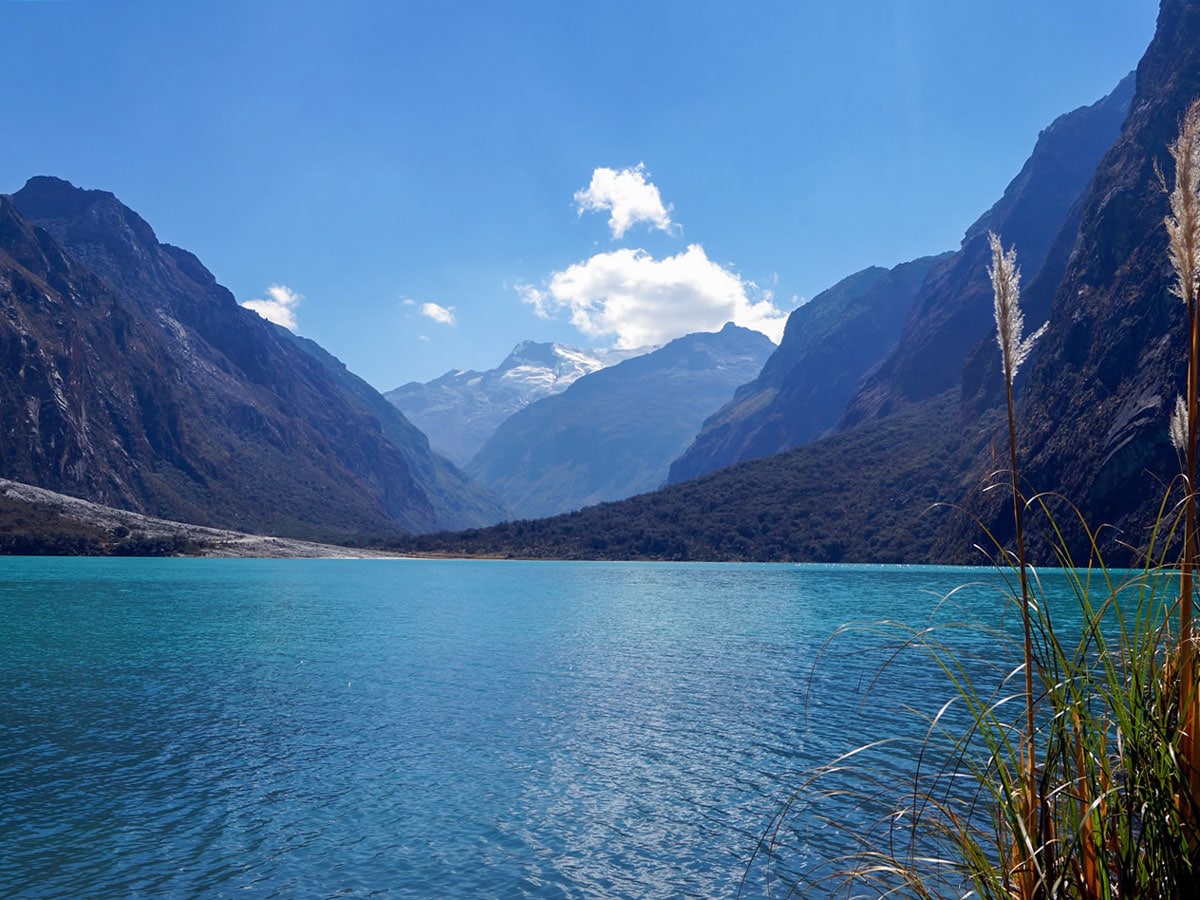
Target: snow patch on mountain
column 460, row 410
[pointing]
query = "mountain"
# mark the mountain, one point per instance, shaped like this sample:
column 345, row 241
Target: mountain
column 924, row 427
column 463, row 408
column 131, row 378
column 829, row 344
column 1102, row 383
column 880, row 340
column 953, row 312
column 613, row 433
column 812, row 504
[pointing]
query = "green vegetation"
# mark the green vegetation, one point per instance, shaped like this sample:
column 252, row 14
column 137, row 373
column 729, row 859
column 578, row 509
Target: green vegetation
column 1074, row 773
column 29, row 530
column 809, row 505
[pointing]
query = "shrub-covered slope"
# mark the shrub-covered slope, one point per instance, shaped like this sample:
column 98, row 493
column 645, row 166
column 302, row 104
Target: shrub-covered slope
column 863, row 495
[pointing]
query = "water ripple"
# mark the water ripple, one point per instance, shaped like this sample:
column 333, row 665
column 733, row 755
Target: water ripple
column 415, row 728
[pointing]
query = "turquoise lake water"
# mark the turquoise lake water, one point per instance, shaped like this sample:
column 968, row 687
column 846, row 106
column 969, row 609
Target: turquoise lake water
column 419, row 728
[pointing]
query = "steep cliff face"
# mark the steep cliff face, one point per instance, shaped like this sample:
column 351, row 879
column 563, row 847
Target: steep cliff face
column 613, row 433
column 828, row 345
column 953, row 312
column 1101, row 385
column 153, row 390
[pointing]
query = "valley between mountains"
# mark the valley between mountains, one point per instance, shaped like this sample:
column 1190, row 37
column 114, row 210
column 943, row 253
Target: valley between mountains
column 131, row 379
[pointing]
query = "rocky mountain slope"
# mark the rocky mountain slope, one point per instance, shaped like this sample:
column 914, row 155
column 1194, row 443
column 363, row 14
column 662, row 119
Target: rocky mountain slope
column 828, row 345
column 613, row 433
column 873, row 344
column 1093, row 405
column 1102, row 384
column 953, row 313
column 130, row 377
column 460, row 410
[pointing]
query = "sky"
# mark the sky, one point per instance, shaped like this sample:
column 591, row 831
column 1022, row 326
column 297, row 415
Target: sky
column 418, row 186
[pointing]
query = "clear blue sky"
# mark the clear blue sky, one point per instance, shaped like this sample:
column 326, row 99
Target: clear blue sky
column 418, row 172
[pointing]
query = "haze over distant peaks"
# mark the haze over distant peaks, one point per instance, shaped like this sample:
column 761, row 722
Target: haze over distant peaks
column 460, row 410
column 613, row 433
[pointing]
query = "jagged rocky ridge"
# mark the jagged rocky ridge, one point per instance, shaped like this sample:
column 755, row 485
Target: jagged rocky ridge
column 130, row 377
column 878, row 341
column 613, row 433
column 828, row 345
column 953, row 312
column 461, row 409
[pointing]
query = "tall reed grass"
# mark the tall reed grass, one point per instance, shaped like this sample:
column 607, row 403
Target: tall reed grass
column 1068, row 764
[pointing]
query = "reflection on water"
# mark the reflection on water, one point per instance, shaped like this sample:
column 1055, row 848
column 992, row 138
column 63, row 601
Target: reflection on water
column 422, row 728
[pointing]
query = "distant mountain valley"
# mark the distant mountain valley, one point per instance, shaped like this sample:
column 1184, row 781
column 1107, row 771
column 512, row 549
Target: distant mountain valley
column 131, row 378
column 614, row 432
column 463, row 408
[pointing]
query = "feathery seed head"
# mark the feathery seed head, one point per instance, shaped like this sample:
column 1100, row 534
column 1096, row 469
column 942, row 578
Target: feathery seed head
column 1183, row 223
column 1010, row 322
column 1179, row 424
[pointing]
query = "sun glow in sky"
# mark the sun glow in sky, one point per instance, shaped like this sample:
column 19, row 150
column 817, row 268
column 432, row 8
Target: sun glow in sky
column 419, row 186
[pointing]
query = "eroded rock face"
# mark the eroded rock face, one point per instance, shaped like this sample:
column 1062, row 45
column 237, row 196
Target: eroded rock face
column 1102, row 384
column 141, row 383
column 953, row 312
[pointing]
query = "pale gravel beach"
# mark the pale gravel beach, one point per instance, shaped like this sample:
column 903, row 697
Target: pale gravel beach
column 212, row 542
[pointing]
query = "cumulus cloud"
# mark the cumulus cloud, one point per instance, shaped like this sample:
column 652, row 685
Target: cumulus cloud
column 640, row 300
column 280, row 308
column 627, row 196
column 439, row 314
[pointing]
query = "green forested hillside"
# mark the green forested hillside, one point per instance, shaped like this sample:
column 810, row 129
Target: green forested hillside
column 864, row 495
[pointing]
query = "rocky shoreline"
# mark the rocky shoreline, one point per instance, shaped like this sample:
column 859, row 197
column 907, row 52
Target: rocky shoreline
column 205, row 542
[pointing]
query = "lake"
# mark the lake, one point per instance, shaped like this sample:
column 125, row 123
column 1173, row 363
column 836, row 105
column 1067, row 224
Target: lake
column 429, row 728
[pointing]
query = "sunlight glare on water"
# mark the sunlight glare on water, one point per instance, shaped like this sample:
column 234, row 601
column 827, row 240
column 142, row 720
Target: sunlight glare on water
column 422, row 728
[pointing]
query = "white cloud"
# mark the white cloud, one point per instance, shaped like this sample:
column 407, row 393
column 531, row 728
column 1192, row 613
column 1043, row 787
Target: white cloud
column 628, row 198
column 642, row 300
column 439, row 314
column 280, row 308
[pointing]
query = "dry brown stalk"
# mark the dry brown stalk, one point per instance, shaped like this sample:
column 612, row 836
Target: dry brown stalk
column 1183, row 229
column 1006, row 281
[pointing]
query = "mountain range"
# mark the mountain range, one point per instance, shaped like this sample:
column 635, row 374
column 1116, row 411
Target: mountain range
column 130, row 377
column 614, row 432
column 924, row 424
column 460, row 410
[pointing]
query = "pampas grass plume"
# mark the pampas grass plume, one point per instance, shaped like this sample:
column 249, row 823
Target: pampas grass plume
column 1010, row 322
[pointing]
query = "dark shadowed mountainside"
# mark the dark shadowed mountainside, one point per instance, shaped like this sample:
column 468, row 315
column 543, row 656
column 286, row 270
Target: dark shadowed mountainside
column 828, row 345
column 807, row 505
column 130, row 377
column 613, row 433
column 953, row 312
column 1102, row 383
